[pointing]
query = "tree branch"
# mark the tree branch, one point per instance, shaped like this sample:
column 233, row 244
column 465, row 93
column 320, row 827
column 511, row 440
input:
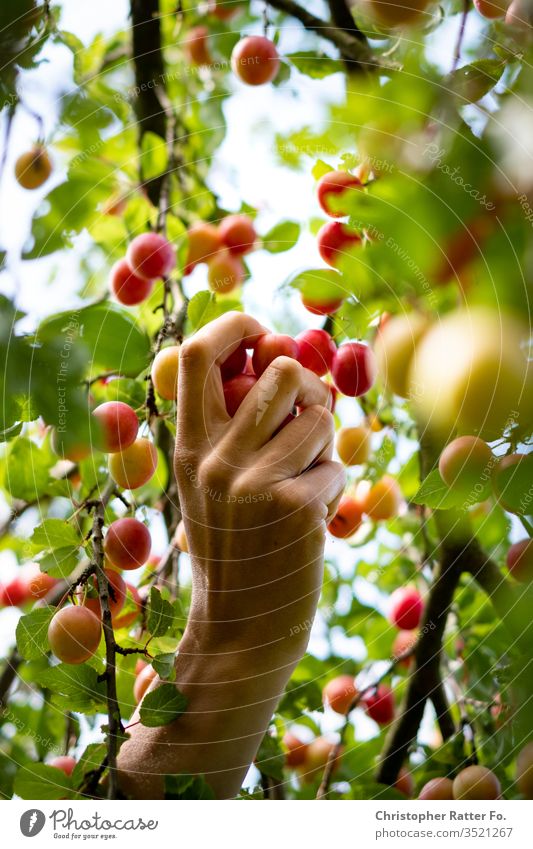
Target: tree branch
column 442, row 710
column 349, row 44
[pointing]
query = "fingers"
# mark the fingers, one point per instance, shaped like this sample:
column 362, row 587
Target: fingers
column 324, row 483
column 200, row 398
column 284, row 384
column 308, row 438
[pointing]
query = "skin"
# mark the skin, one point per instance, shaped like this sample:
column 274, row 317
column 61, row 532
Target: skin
column 256, row 568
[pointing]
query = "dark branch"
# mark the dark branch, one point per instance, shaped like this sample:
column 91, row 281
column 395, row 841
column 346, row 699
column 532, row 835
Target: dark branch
column 442, row 710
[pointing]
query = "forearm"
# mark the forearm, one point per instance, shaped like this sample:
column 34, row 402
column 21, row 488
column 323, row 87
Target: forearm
column 233, row 679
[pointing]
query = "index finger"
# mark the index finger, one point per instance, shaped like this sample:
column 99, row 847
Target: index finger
column 200, row 396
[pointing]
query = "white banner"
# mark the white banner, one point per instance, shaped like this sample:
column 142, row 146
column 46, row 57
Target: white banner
column 268, row 824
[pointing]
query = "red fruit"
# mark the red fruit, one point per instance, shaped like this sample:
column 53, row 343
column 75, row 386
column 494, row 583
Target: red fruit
column 334, row 188
column 127, row 543
column 135, row 466
column 127, row 288
column 347, row 519
column 118, row 426
column 222, row 11
column 296, row 750
column 74, row 634
column 324, row 308
column 150, row 255
column 316, row 758
column 235, row 363
column 403, row 642
column 38, row 584
column 379, row 704
column 270, row 346
column 404, row 783
column 203, row 243
column 492, row 8
column 437, row 789
column 316, row 350
column 65, row 763
column 238, row 233
column 117, row 594
column 126, row 618
column 520, row 560
column 336, row 241
column 406, row 607
column 14, row 593
column 225, row 273
column 236, row 389
column 339, row 693
column 196, row 46
column 354, row 369
column 255, row 60
column 139, row 666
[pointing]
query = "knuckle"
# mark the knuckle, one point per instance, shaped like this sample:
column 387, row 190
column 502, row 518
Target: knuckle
column 193, row 350
column 285, row 370
column 214, row 473
column 321, row 417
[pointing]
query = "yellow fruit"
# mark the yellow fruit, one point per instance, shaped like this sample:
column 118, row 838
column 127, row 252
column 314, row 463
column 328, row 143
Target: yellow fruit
column 165, row 372
column 395, row 349
column 382, row 500
column 470, row 373
column 353, row 445
column 33, row 168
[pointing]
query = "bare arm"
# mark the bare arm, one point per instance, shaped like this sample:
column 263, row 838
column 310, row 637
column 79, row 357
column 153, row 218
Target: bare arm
column 255, row 507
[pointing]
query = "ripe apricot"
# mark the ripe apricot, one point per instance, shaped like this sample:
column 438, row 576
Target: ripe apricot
column 296, row 753
column 255, row 60
column 150, row 255
column 65, row 763
column 397, row 14
column 339, row 693
column 317, row 755
column 382, row 501
column 466, row 465
column 38, row 584
column 134, row 466
column 347, row 519
column 203, row 243
column 117, row 426
column 225, row 272
column 476, row 782
column 127, row 543
column 74, row 634
column 165, row 372
column 142, row 682
column 321, row 307
column 33, row 168
column 353, row 445
column 117, row 594
column 440, row 789
column 238, row 233
column 126, row 618
column 492, row 9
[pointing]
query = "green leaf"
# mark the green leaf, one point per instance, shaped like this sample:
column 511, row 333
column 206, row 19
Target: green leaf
column 474, row 81
column 113, row 337
column 187, row 787
column 60, row 562
column 32, row 633
column 55, row 533
column 91, row 759
column 270, row 758
column 282, row 237
column 515, row 487
column 38, row 781
column 164, row 666
column 160, row 614
column 154, row 156
column 434, row 493
column 27, row 470
column 78, row 684
column 320, row 284
column 204, row 307
column 162, row 706
column 315, row 65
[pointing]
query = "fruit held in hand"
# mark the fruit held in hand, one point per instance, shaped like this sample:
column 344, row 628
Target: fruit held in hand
column 524, row 771
column 127, row 287
column 321, row 307
column 382, row 501
column 334, row 190
column 466, row 465
column 339, row 693
column 296, row 750
column 203, row 243
column 164, row 372
column 196, row 46
column 270, row 346
column 347, row 519
column 225, row 273
column 74, row 634
column 237, row 233
column 234, row 364
column 117, row 426
column 65, row 763
column 520, row 560
column 143, row 681
column 336, row 243
column 127, row 543
column 354, row 369
column 406, row 607
column 255, row 60
column 476, row 782
column 316, row 351
column 353, row 445
column 236, row 389
column 33, row 168
column 440, row 789
column 135, row 466
column 150, row 255
column 379, row 704
column 395, row 349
